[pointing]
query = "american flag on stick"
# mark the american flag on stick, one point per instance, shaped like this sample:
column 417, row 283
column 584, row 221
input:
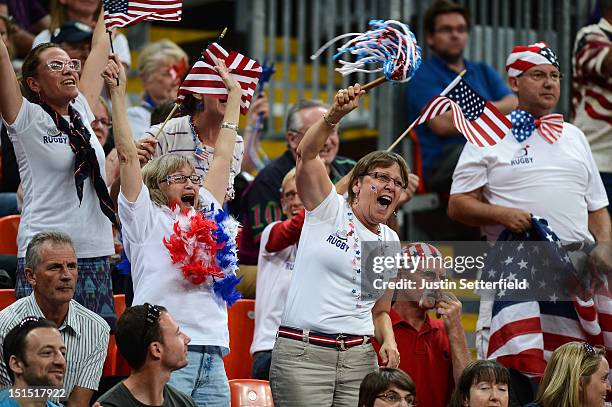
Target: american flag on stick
column 477, row 119
column 122, row 13
column 204, row 80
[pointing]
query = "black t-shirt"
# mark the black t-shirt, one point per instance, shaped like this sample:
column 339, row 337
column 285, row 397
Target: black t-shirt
column 261, row 203
column 120, row 396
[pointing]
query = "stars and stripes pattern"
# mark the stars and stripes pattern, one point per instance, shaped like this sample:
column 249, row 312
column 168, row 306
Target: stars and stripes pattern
column 524, row 57
column 549, row 126
column 591, row 88
column 478, row 120
column 123, row 13
column 525, row 331
column 204, row 80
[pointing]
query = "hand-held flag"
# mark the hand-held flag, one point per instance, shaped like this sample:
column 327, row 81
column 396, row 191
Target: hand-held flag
column 204, row 80
column 123, row 13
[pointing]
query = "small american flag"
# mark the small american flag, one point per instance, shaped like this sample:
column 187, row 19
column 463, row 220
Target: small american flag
column 122, row 13
column 524, row 333
column 477, row 119
column 204, row 80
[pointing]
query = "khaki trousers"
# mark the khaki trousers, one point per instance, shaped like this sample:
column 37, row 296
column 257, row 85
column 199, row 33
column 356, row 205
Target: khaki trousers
column 303, row 374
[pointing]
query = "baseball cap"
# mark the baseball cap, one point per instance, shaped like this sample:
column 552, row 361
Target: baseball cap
column 72, row 31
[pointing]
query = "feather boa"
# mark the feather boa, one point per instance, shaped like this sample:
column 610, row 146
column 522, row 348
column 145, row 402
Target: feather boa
column 203, row 246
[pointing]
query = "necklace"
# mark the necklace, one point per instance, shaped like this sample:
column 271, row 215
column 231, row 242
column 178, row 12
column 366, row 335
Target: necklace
column 356, row 247
column 198, row 151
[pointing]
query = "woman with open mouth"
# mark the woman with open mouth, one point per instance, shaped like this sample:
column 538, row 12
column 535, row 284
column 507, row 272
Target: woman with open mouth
column 61, row 161
column 323, row 349
column 174, row 247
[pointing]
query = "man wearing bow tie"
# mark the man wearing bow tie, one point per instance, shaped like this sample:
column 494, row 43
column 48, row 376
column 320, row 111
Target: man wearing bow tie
column 544, row 167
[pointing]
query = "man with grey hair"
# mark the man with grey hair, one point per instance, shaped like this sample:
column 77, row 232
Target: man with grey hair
column 262, row 199
column 51, row 269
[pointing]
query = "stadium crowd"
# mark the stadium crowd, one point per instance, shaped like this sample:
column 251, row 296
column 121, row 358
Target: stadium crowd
column 114, row 199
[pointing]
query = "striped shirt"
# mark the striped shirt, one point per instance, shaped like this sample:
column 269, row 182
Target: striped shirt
column 178, row 138
column 85, row 335
column 592, row 90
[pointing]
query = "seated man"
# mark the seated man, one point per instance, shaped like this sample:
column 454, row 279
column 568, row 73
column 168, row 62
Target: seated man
column 435, row 350
column 276, row 255
column 35, row 355
column 51, row 269
column 154, row 346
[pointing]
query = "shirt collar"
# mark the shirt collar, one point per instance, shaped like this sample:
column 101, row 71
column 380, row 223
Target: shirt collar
column 69, row 322
column 396, row 319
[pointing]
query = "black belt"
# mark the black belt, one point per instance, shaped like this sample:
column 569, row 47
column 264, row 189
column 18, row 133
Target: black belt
column 336, row 341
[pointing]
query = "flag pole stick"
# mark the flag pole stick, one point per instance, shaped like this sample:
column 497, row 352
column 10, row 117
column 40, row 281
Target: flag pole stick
column 176, row 105
column 110, row 38
column 409, row 129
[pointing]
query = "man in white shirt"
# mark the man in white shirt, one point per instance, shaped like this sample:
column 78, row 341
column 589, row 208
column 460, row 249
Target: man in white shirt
column 275, row 268
column 544, row 167
column 51, row 269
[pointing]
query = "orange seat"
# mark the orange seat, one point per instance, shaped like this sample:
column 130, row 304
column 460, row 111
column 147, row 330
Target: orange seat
column 119, row 304
column 109, row 362
column 249, row 392
column 7, row 297
column 241, row 323
column 9, row 225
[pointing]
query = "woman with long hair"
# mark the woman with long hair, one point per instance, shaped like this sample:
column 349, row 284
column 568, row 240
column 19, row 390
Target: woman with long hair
column 61, row 162
column 576, row 376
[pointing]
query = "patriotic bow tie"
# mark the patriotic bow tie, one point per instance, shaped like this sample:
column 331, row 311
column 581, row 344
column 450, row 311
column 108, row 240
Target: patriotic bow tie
column 524, row 123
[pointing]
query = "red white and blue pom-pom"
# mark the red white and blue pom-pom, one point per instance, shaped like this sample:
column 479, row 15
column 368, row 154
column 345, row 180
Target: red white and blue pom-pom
column 390, row 44
column 203, row 246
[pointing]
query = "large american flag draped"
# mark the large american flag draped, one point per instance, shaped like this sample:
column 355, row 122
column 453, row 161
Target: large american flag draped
column 477, row 119
column 525, row 333
column 122, row 13
column 204, row 80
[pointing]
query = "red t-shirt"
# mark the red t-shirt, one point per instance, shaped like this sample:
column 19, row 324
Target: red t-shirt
column 425, row 356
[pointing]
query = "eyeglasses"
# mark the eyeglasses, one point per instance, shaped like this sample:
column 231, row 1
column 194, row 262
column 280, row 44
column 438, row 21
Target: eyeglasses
column 102, row 122
column 182, row 179
column 395, row 399
column 588, row 348
column 539, row 76
column 29, row 320
column 385, row 179
column 153, row 314
column 58, row 65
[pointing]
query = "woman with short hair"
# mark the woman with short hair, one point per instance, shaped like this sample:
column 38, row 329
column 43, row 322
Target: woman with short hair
column 323, row 349
column 387, row 387
column 181, row 257
column 483, row 383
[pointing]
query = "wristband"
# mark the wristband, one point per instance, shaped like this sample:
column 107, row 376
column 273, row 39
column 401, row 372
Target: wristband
column 231, row 126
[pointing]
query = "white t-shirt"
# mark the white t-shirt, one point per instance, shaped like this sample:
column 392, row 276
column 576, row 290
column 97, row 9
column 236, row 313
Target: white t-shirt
column 140, row 121
column 46, row 166
column 196, row 309
column 325, row 291
column 120, row 44
column 274, row 271
column 177, row 137
column 559, row 182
